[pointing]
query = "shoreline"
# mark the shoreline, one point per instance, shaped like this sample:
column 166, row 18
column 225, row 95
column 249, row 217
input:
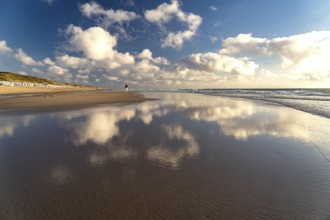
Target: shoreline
column 61, row 99
column 311, row 106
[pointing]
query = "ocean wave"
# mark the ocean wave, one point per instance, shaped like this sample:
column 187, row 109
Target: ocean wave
column 314, row 101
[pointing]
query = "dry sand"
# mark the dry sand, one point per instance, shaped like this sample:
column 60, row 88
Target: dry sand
column 58, row 99
column 5, row 90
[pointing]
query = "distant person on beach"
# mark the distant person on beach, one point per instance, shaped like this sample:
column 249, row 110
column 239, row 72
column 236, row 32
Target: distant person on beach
column 126, row 87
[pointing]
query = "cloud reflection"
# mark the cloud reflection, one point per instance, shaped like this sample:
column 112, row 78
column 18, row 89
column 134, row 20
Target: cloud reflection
column 10, row 123
column 100, row 127
column 282, row 125
column 148, row 130
column 244, row 119
column 166, row 154
column 111, row 152
column 60, row 174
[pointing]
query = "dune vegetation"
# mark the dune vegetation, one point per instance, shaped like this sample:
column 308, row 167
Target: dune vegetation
column 13, row 77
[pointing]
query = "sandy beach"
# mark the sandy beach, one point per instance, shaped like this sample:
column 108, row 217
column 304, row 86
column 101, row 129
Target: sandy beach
column 182, row 156
column 6, row 90
column 67, row 98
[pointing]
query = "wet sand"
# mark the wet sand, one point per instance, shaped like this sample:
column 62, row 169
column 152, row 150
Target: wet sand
column 182, row 156
column 54, row 99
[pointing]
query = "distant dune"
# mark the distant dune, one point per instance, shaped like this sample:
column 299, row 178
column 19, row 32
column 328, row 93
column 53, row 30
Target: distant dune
column 12, row 83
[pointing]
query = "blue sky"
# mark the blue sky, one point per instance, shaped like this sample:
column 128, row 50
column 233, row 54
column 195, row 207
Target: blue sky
column 169, row 44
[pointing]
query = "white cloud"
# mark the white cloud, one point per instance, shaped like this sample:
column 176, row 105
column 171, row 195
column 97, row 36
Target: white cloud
column 244, row 42
column 213, row 8
column 95, row 42
column 147, row 54
column 99, row 54
column 120, row 60
column 218, row 63
column 37, row 71
column 48, row 61
column 107, row 17
column 164, row 13
column 266, row 73
column 57, row 70
column 4, row 48
column 72, row 62
column 97, row 45
column 213, row 39
column 306, row 54
column 145, row 66
column 26, row 59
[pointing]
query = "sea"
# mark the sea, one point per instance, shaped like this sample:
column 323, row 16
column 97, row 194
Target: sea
column 314, row 101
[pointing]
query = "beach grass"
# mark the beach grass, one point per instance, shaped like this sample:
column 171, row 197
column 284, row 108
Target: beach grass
column 13, row 77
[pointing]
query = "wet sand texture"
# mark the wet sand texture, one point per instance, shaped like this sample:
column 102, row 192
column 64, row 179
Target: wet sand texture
column 182, row 156
column 68, row 100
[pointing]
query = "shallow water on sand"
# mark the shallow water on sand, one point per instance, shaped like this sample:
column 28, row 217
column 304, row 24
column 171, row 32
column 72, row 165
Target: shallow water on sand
column 185, row 156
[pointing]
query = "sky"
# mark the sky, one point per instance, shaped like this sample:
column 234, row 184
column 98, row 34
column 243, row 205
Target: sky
column 169, row 44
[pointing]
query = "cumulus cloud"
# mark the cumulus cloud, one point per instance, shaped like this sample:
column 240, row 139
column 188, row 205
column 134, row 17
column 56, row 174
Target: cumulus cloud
column 91, row 55
column 72, row 62
column 26, row 59
column 98, row 56
column 164, row 13
column 48, row 61
column 146, row 68
column 95, row 42
column 147, row 54
column 37, row 71
column 306, row 54
column 57, row 70
column 218, row 63
column 4, row 48
column 107, row 17
column 244, row 42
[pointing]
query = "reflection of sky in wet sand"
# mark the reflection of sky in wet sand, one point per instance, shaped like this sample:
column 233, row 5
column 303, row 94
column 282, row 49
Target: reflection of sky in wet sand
column 8, row 125
column 172, row 157
column 210, row 155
